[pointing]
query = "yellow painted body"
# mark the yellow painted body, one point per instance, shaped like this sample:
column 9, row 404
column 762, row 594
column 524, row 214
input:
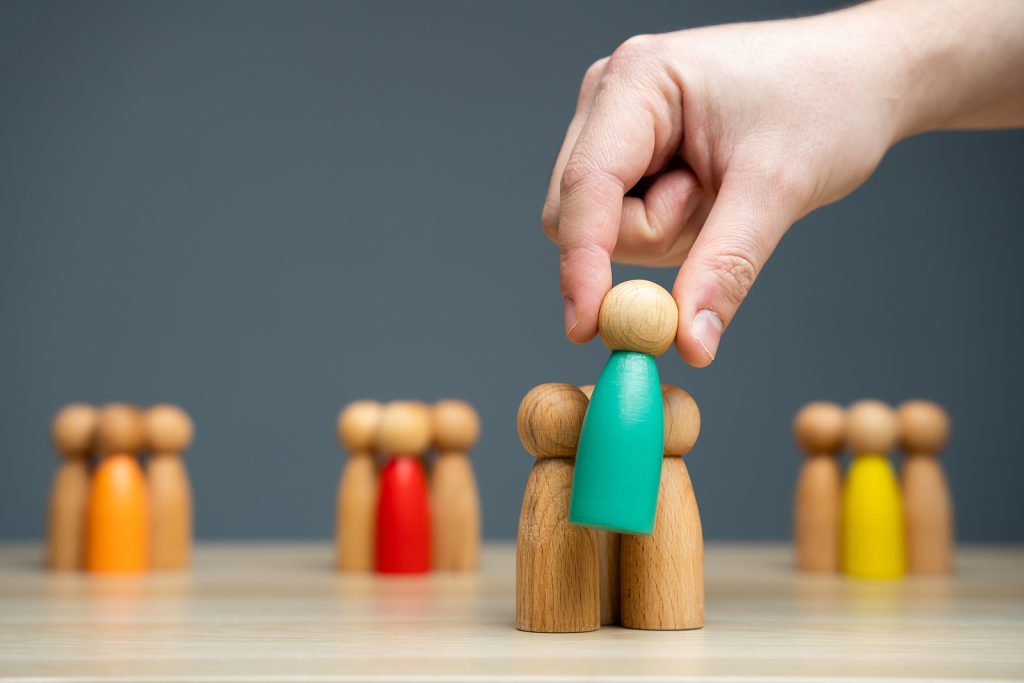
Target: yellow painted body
column 873, row 543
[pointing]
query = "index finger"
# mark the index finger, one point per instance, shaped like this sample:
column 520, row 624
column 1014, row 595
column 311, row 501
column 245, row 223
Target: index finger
column 613, row 151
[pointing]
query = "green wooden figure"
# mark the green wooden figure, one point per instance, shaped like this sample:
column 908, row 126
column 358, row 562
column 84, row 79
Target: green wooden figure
column 618, row 462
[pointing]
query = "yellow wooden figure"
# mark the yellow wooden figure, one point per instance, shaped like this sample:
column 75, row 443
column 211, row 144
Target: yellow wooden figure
column 873, row 545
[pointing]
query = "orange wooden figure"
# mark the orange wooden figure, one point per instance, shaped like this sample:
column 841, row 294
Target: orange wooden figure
column 117, row 528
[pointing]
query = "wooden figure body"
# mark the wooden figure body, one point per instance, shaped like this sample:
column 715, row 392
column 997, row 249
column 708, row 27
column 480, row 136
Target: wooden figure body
column 608, row 554
column 117, row 528
column 356, row 501
column 872, row 540
column 168, row 434
column 618, row 467
column 74, row 437
column 557, row 573
column 819, row 429
column 928, row 507
column 662, row 583
column 403, row 511
column 454, row 500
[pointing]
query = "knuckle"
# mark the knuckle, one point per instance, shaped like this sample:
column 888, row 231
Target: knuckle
column 593, row 74
column 549, row 220
column 636, row 52
column 577, row 175
column 735, row 271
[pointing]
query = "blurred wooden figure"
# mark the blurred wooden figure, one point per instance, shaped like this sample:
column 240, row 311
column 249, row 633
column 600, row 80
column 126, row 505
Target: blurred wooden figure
column 872, row 542
column 819, row 429
column 557, row 572
column 608, row 554
column 662, row 583
column 928, row 507
column 356, row 504
column 454, row 500
column 74, row 437
column 168, row 434
column 403, row 510
column 117, row 528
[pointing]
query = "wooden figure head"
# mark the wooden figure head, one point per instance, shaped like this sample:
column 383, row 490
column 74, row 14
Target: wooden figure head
column 638, row 316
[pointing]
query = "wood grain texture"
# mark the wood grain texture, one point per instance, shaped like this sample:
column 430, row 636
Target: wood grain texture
column 454, row 514
column 662, row 575
column 557, row 571
column 608, row 556
column 254, row 613
column 638, row 315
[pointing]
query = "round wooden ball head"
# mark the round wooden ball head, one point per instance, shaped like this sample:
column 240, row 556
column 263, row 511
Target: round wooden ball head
column 357, row 425
column 923, row 427
column 74, row 430
column 168, row 429
column 638, row 316
column 550, row 420
column 870, row 428
column 456, row 425
column 405, row 428
column 682, row 420
column 820, row 427
column 120, row 429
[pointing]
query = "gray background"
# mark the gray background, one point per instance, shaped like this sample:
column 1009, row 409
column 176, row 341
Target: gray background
column 263, row 211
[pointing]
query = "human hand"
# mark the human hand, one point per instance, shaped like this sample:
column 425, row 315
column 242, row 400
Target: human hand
column 702, row 147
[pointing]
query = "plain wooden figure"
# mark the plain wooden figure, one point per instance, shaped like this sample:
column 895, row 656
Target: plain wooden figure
column 819, row 429
column 168, row 434
column 662, row 582
column 356, row 501
column 927, row 505
column 872, row 541
column 557, row 572
column 608, row 553
column 403, row 509
column 454, row 500
column 74, row 438
column 117, row 527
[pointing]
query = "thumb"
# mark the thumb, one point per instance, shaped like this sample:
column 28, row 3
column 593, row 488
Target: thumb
column 742, row 230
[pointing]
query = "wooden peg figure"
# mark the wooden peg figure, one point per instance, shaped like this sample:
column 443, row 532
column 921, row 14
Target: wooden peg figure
column 819, row 429
column 74, row 438
column 608, row 553
column 169, row 433
column 117, row 526
column 356, row 502
column 662, row 580
column 872, row 542
column 454, row 500
column 403, row 511
column 618, row 467
column 928, row 507
column 557, row 573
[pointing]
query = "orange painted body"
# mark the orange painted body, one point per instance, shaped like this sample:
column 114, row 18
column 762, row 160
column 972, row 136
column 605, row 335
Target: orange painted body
column 117, row 521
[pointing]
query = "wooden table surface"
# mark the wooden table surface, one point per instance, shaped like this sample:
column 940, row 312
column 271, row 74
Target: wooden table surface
column 279, row 612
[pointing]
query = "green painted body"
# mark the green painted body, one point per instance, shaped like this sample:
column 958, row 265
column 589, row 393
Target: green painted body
column 618, row 462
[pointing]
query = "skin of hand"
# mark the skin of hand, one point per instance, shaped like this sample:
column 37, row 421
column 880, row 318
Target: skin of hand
column 702, row 147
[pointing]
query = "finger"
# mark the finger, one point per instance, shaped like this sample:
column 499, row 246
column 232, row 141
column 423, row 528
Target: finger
column 615, row 148
column 588, row 88
column 659, row 228
column 746, row 223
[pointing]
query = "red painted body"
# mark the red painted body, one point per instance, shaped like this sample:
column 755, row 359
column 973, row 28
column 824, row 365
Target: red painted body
column 403, row 518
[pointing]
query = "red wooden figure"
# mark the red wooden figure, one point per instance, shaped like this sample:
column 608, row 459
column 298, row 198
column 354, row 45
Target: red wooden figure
column 403, row 512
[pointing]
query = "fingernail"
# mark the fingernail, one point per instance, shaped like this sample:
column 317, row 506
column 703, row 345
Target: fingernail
column 707, row 329
column 570, row 316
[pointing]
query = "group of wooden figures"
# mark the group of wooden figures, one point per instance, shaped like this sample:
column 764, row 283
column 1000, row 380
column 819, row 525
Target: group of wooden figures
column 573, row 578
column 107, row 514
column 873, row 525
column 394, row 515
